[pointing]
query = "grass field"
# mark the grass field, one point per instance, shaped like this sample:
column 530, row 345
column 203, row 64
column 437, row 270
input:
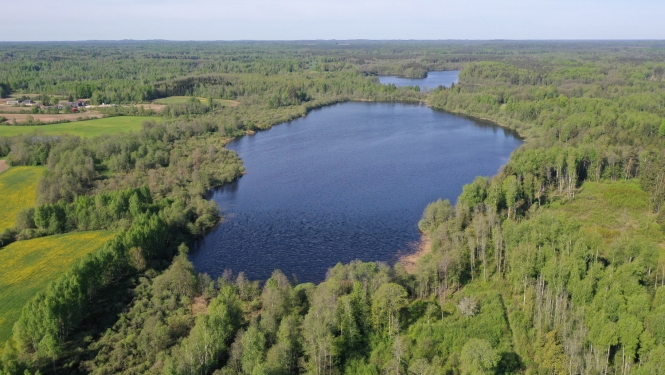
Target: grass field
column 185, row 99
column 90, row 128
column 28, row 267
column 18, row 190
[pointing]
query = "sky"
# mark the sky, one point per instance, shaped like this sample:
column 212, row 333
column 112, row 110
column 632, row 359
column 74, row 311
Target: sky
column 45, row 20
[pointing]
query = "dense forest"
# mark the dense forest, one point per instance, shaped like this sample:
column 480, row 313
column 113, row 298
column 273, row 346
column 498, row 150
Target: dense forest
column 555, row 265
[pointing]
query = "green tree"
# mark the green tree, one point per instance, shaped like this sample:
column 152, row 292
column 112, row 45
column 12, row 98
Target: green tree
column 653, row 363
column 386, row 304
column 478, row 358
column 50, row 348
column 549, row 355
column 511, row 189
column 435, row 214
column 253, row 344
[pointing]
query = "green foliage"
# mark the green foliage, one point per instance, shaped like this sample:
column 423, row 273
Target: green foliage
column 386, row 304
column 478, row 358
column 435, row 214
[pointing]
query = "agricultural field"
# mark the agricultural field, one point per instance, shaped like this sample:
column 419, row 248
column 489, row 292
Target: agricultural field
column 8, row 109
column 185, row 99
column 47, row 118
column 28, row 266
column 18, row 189
column 89, row 128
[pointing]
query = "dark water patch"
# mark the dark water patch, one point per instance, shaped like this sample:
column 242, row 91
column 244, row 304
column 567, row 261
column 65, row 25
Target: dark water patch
column 432, row 81
column 346, row 182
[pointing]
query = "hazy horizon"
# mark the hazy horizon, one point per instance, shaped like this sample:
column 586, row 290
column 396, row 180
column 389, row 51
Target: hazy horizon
column 329, row 40
column 293, row 20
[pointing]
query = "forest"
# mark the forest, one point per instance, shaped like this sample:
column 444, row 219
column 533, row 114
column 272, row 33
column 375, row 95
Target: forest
column 555, row 265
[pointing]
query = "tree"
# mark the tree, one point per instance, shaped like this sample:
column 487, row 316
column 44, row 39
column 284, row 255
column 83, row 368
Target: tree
column 549, row 356
column 386, row 303
column 283, row 357
column 25, row 219
column 50, row 348
column 435, row 214
column 467, row 306
column 275, row 302
column 654, row 363
column 511, row 190
column 253, row 344
column 478, row 358
column 317, row 330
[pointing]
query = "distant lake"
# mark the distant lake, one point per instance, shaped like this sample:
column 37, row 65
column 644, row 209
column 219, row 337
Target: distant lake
column 349, row 181
column 432, row 81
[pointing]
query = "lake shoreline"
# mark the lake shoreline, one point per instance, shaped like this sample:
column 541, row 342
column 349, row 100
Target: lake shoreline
column 410, row 260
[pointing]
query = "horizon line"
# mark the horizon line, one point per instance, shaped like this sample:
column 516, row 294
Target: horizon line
column 333, row 40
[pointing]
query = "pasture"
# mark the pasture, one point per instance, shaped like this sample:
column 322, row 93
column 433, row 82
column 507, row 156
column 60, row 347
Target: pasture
column 18, row 190
column 29, row 266
column 89, row 128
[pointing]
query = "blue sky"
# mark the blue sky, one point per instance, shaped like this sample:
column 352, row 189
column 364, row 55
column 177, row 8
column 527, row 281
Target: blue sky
column 333, row 19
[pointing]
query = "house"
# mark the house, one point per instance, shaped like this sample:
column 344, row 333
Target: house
column 28, row 102
column 13, row 102
column 62, row 105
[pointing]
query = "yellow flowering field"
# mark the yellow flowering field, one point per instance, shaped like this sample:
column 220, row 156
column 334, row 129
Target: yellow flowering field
column 18, row 190
column 28, row 266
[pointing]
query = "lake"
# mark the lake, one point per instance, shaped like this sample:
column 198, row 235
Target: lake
column 432, row 81
column 349, row 181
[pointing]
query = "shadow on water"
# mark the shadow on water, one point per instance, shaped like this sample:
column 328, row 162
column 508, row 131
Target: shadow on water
column 229, row 189
column 487, row 124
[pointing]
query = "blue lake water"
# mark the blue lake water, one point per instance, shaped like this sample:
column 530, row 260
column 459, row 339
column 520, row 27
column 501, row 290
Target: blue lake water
column 432, row 81
column 349, row 181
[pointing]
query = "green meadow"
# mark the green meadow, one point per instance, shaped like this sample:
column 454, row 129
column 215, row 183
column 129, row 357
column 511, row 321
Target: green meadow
column 88, row 128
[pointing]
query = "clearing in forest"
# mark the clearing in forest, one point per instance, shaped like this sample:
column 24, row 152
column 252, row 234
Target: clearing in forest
column 617, row 211
column 619, row 215
column 89, row 128
column 18, row 190
column 29, row 266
